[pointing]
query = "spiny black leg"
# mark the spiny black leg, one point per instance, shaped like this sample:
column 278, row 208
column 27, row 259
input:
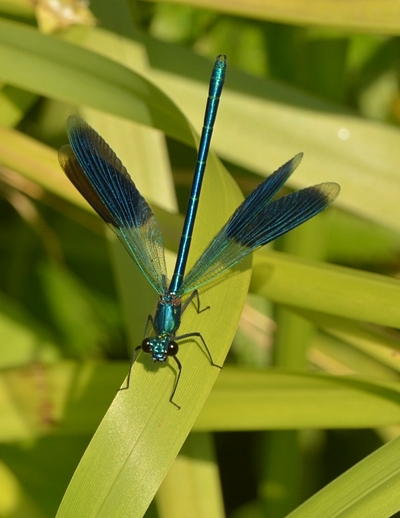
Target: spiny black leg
column 171, row 399
column 135, row 353
column 189, row 300
column 194, row 295
column 199, row 335
column 128, row 379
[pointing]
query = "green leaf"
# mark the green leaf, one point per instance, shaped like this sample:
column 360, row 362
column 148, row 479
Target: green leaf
column 371, row 489
column 369, row 16
column 195, row 473
column 241, row 399
column 68, row 73
column 274, row 399
column 327, row 288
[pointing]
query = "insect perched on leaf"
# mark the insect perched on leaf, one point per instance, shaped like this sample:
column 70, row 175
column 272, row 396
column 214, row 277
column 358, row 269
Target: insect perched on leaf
column 103, row 181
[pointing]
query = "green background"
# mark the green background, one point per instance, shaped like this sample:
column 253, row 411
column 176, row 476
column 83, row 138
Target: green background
column 303, row 419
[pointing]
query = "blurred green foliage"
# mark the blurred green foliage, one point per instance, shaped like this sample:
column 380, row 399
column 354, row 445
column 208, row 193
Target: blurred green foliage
column 59, row 300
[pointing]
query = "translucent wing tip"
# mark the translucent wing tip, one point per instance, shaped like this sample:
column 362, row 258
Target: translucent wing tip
column 330, row 191
column 296, row 160
column 288, row 167
column 74, row 121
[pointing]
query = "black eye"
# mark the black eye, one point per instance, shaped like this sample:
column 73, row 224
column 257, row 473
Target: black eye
column 172, row 349
column 146, row 346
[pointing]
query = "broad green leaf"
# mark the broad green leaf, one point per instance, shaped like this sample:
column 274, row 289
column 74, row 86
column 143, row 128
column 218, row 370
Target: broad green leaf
column 371, row 489
column 368, row 16
column 327, row 288
column 241, row 399
column 195, row 473
column 275, row 399
column 66, row 72
column 16, row 8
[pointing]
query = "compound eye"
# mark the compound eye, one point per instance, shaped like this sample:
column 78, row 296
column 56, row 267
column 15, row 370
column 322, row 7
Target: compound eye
column 172, row 349
column 146, row 346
